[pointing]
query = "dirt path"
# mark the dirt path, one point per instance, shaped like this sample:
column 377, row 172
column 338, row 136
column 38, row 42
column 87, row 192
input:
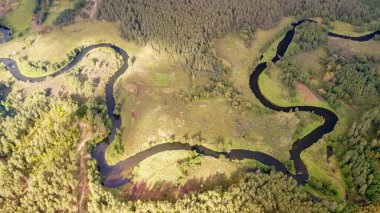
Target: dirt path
column 83, row 158
column 307, row 93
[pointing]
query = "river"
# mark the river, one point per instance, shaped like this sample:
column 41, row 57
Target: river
column 114, row 175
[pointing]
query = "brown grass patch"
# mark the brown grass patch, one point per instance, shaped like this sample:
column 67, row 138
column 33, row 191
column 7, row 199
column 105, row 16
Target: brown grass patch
column 305, row 91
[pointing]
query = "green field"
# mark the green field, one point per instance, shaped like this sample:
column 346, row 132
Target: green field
column 344, row 28
column 162, row 80
column 154, row 116
column 172, row 170
column 20, row 19
column 277, row 92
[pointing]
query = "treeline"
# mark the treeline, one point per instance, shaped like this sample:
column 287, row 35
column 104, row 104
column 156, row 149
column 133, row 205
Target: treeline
column 272, row 192
column 360, row 159
column 351, row 78
column 356, row 12
column 170, row 27
column 186, row 28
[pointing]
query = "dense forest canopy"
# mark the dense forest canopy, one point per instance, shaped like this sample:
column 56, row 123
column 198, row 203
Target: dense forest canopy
column 40, row 173
column 359, row 158
column 354, row 78
column 272, row 192
column 38, row 139
column 187, row 27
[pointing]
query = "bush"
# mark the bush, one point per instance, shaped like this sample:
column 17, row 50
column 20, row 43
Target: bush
column 66, row 17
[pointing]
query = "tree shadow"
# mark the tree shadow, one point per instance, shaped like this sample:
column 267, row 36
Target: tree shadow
column 164, row 190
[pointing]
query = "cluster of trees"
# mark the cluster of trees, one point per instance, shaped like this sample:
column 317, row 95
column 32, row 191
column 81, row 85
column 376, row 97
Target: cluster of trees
column 41, row 10
column 360, row 158
column 5, row 89
column 309, row 36
column 189, row 163
column 42, row 67
column 40, row 173
column 39, row 136
column 213, row 89
column 116, row 148
column 324, row 186
column 351, row 78
column 168, row 25
column 80, row 83
column 272, row 192
column 356, row 12
column 67, row 16
column 291, row 72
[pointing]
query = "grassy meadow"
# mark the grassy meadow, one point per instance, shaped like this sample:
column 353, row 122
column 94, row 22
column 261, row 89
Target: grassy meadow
column 154, row 116
column 20, row 19
column 172, row 168
column 318, row 167
column 344, row 28
column 231, row 50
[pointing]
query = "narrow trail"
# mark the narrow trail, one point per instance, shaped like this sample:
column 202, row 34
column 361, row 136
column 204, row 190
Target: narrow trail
column 84, row 156
column 114, row 175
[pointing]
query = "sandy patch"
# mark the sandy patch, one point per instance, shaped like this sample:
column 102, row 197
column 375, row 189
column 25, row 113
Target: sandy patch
column 306, row 92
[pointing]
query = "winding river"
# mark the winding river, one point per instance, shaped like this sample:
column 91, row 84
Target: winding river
column 114, row 175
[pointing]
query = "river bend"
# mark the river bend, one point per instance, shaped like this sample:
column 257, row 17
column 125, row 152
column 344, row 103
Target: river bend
column 114, row 175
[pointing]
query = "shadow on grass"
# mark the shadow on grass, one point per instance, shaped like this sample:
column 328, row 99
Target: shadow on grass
column 164, row 190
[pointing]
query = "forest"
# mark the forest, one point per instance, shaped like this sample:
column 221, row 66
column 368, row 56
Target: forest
column 353, row 79
column 360, row 159
column 40, row 172
column 154, row 21
column 36, row 148
column 176, row 71
column 272, row 192
column 213, row 89
column 38, row 140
